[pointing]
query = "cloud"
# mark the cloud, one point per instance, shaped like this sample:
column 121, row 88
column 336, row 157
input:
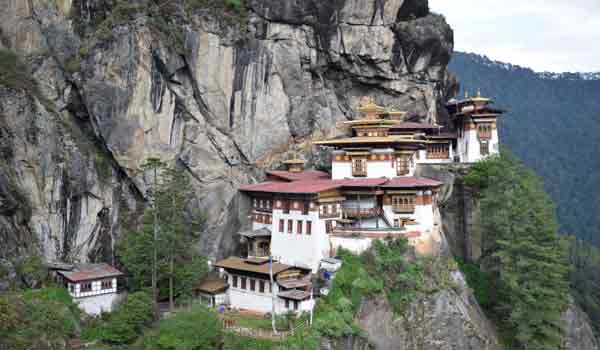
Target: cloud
column 553, row 35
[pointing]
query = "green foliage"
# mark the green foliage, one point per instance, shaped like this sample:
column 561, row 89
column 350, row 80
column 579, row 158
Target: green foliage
column 233, row 341
column 523, row 253
column 129, row 320
column 481, row 283
column 14, row 73
column 177, row 259
column 194, row 329
column 27, row 320
column 103, row 167
column 30, row 270
column 553, row 125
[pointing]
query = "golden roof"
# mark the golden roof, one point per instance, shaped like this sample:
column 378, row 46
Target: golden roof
column 294, row 161
column 371, row 107
column 479, row 98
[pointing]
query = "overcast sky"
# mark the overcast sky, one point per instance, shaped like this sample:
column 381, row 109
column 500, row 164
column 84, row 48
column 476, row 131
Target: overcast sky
column 552, row 35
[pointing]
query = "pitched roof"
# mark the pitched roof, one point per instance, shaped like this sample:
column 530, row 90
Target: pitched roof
column 212, row 286
column 240, row 264
column 294, row 294
column 414, row 126
column 86, row 272
column 443, row 136
column 262, row 232
column 299, row 176
column 410, row 182
column 311, row 187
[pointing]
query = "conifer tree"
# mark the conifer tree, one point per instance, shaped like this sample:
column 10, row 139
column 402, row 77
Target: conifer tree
column 524, row 252
column 162, row 252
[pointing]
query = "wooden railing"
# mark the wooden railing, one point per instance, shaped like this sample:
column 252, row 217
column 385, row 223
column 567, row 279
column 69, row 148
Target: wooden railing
column 361, row 212
column 406, row 209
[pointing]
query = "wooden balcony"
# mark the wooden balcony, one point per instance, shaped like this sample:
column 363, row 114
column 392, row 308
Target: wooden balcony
column 403, row 209
column 329, row 215
column 361, row 212
column 359, row 173
column 263, row 210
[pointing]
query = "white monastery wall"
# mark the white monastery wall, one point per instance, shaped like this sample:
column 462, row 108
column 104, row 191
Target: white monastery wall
column 341, row 170
column 376, row 169
column 299, row 249
column 356, row 245
column 95, row 305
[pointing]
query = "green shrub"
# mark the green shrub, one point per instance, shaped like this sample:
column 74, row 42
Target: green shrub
column 129, row 320
column 14, row 73
column 198, row 328
column 28, row 319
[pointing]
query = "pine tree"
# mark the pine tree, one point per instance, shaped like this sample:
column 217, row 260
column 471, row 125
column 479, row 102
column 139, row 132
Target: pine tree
column 524, row 253
column 163, row 253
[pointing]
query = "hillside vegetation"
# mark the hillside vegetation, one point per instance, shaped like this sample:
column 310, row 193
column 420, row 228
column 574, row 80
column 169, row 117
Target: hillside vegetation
column 553, row 125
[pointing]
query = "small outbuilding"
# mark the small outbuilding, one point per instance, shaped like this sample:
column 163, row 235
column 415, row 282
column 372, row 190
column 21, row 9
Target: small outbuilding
column 212, row 292
column 92, row 286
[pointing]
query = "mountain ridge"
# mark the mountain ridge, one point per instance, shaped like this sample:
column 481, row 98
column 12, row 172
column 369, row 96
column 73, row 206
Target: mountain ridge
column 553, row 124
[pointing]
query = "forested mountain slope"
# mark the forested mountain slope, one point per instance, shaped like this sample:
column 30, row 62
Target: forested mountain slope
column 553, row 124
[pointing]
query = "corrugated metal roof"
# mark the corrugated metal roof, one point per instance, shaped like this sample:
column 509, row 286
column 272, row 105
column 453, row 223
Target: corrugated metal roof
column 213, row 286
column 410, row 182
column 262, row 232
column 240, row 264
column 86, row 272
column 294, row 294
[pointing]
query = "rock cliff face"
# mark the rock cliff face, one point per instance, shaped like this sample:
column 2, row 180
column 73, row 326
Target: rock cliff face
column 120, row 83
column 448, row 319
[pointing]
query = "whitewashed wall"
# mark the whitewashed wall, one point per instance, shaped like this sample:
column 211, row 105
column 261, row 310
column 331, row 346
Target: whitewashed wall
column 299, row 249
column 95, row 305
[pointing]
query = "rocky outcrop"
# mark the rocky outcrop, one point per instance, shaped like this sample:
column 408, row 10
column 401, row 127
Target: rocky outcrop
column 580, row 335
column 447, row 319
column 221, row 98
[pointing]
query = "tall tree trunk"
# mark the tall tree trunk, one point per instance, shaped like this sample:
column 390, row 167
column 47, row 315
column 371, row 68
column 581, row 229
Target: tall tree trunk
column 171, row 268
column 155, row 248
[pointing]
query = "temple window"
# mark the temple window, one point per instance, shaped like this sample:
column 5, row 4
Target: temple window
column 299, row 227
column 484, row 131
column 328, row 226
column 86, row 287
column 359, row 167
column 403, row 164
column 484, row 148
column 281, row 224
column 252, row 284
column 286, row 207
column 305, row 206
column 261, row 286
column 107, row 284
column 234, row 280
column 405, row 203
column 243, row 282
column 438, row 151
column 290, row 226
column 309, row 228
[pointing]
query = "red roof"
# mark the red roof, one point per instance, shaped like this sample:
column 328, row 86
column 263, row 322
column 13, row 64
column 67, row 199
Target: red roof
column 299, row 176
column 88, row 272
column 411, row 181
column 316, row 186
column 299, row 187
column 414, row 126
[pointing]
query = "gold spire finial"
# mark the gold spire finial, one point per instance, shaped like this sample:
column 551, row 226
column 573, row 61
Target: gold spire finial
column 478, row 92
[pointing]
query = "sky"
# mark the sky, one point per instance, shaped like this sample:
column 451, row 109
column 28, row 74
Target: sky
column 545, row 35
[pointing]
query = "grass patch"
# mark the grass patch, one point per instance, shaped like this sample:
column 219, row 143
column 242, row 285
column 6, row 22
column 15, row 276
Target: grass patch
column 232, row 341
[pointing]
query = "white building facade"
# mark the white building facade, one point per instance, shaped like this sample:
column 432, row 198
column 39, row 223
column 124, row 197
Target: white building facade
column 92, row 286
